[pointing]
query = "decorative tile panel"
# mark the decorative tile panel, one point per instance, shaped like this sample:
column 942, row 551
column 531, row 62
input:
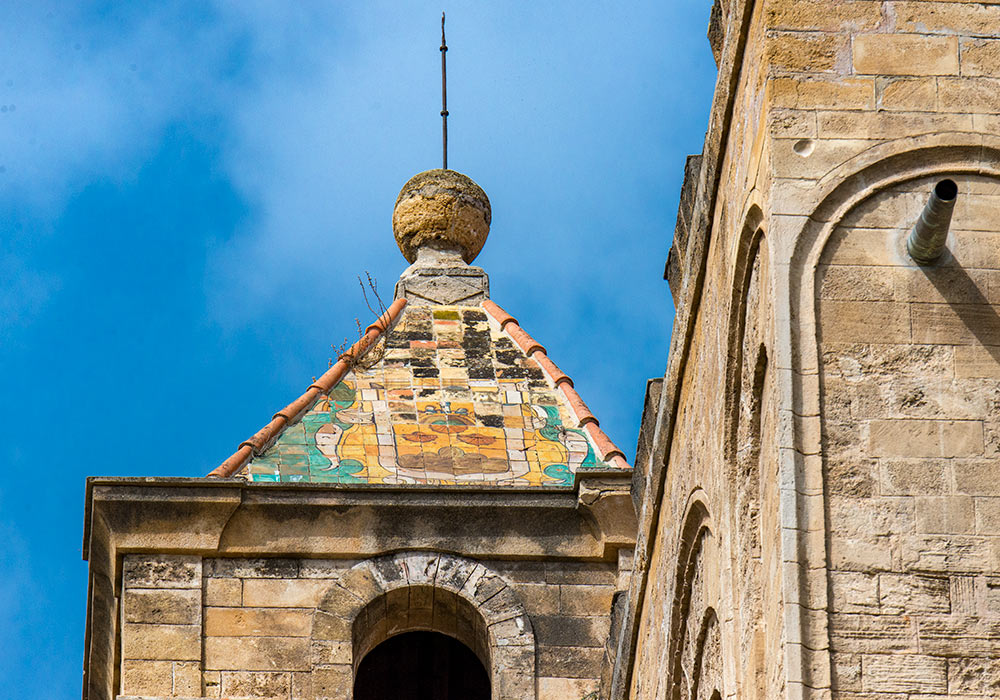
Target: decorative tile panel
column 453, row 401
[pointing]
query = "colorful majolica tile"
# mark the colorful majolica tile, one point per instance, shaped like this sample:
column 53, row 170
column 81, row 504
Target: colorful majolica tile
column 453, row 401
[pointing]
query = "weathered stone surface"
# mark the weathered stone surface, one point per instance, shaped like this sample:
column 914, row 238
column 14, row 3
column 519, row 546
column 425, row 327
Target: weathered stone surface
column 854, row 591
column 977, row 477
column 914, row 477
column 864, row 322
column 361, row 582
column 585, row 600
column 341, row 601
column 563, row 630
column 569, row 662
column 212, row 684
column 332, row 681
column 516, row 631
column 980, row 56
column 804, row 15
column 881, row 634
column 907, row 593
column 941, row 636
column 580, row 573
column 977, row 19
column 252, row 568
column 901, row 54
column 845, row 672
column 988, row 516
column 440, row 277
column 904, row 94
column 954, row 324
column 282, row 593
column 945, row 514
column 223, row 591
column 822, row 93
column 257, row 622
column 950, row 553
column 794, row 51
column 977, row 361
column 926, row 438
column 539, row 599
column 904, row 674
column 147, row 677
column 170, row 606
column 978, row 95
column 563, row 688
column 325, row 652
column 331, row 627
column 166, row 642
column 187, row 678
column 302, row 686
column 257, row 654
column 162, row 571
column 972, row 676
column 324, row 568
column 256, row 685
column 441, row 208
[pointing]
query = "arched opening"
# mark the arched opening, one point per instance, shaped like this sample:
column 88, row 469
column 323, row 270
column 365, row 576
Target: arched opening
column 421, row 666
column 394, row 595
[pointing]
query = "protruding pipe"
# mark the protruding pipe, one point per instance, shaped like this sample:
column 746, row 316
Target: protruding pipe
column 926, row 241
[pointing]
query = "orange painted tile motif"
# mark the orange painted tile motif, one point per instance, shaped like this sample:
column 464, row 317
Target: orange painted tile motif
column 453, row 401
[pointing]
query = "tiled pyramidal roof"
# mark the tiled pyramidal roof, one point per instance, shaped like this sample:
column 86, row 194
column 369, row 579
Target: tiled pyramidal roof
column 445, row 389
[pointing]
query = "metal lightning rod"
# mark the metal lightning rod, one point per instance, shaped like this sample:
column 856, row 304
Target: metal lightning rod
column 444, row 95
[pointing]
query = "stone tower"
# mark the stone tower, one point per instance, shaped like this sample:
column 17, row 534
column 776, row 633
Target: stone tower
column 815, row 506
column 818, row 476
column 439, row 510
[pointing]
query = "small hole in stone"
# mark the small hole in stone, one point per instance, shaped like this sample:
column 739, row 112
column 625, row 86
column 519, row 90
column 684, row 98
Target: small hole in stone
column 804, row 147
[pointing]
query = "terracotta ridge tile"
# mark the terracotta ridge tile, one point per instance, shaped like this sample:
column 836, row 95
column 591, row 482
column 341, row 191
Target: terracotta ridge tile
column 502, row 317
column 619, row 461
column 292, row 410
column 509, row 325
column 256, row 444
column 233, row 463
column 528, row 344
column 576, row 402
column 550, row 368
column 607, row 448
column 609, row 451
column 386, row 320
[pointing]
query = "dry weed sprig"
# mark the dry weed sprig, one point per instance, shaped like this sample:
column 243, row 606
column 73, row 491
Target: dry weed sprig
column 365, row 357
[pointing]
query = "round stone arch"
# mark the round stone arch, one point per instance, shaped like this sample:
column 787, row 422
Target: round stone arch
column 696, row 658
column 432, row 591
column 812, row 215
column 749, row 242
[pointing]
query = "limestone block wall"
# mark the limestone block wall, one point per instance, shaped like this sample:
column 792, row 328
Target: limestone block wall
column 832, row 115
column 845, row 76
column 871, row 104
column 296, row 628
column 161, row 625
column 910, row 371
column 710, row 621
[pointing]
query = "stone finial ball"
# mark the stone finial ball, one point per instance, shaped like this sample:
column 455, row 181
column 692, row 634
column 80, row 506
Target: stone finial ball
column 441, row 209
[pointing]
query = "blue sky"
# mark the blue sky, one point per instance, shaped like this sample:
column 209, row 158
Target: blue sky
column 189, row 190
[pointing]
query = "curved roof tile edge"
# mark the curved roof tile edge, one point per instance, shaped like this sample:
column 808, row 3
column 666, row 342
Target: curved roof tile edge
column 609, row 451
column 256, row 444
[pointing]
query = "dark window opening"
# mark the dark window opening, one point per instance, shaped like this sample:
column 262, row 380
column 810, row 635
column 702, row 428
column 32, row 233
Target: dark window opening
column 421, row 666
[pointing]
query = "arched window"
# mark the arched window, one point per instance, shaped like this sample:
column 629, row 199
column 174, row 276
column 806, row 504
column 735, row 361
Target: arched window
column 421, row 666
column 411, row 599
